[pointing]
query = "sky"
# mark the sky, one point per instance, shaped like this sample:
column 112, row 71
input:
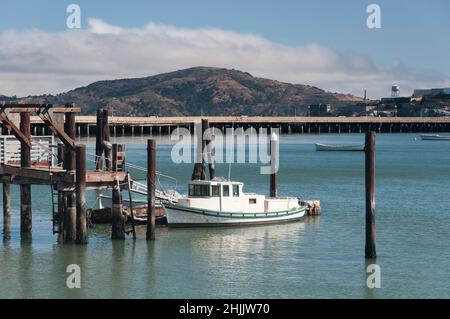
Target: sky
column 324, row 43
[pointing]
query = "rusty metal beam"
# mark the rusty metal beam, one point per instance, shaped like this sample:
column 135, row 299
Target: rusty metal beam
column 45, row 117
column 14, row 129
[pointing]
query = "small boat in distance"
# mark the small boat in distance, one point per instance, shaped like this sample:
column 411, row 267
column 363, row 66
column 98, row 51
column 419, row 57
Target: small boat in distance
column 339, row 147
column 434, row 137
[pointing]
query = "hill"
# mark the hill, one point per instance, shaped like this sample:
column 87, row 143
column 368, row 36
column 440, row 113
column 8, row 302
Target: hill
column 196, row 91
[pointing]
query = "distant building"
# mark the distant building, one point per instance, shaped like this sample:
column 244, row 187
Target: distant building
column 321, row 109
column 431, row 92
column 356, row 109
column 395, row 100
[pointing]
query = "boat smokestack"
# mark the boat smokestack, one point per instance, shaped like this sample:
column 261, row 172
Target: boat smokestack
column 274, row 151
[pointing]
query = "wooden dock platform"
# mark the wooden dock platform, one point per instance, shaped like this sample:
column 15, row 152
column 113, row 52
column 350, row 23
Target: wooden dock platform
column 67, row 177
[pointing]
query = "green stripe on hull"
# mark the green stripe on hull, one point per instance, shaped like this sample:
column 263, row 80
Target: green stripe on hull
column 239, row 224
column 212, row 213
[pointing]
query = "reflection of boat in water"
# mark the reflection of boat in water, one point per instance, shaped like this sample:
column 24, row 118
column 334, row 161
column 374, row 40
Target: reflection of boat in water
column 434, row 137
column 221, row 202
column 339, row 147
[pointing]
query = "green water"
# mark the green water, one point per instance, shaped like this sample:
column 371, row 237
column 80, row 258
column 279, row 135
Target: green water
column 318, row 257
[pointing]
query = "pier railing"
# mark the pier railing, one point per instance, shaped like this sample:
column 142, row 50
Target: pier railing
column 41, row 150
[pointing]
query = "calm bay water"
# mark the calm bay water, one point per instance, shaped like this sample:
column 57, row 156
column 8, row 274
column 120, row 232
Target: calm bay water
column 318, row 257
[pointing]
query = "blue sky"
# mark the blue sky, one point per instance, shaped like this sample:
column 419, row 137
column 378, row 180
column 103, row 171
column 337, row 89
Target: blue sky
column 412, row 42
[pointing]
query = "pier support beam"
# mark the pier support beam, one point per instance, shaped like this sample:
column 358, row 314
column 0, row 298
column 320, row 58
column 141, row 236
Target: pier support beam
column 25, row 189
column 70, row 227
column 118, row 220
column 61, row 206
column 80, row 187
column 274, row 151
column 98, row 141
column 199, row 165
column 208, row 142
column 70, row 217
column 370, row 249
column 106, row 139
column 6, row 212
column 6, row 201
column 151, row 188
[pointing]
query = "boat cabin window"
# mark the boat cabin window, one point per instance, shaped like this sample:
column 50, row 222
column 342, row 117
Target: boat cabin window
column 226, row 191
column 236, row 190
column 215, row 190
column 252, row 200
column 199, row 190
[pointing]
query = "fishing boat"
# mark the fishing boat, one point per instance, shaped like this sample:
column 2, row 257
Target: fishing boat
column 434, row 137
column 222, row 202
column 339, row 147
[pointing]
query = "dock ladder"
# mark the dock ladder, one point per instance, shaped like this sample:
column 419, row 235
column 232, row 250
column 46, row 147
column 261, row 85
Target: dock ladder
column 56, row 218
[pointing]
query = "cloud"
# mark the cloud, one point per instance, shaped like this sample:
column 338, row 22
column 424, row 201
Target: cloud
column 34, row 61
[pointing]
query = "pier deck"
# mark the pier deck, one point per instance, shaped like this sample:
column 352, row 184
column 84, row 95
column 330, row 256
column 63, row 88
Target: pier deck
column 45, row 175
column 122, row 125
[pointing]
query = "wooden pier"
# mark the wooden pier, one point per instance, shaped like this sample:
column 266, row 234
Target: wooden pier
column 69, row 182
column 153, row 125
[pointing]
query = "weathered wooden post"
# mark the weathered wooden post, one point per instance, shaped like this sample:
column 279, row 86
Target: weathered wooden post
column 199, row 162
column 25, row 189
column 61, row 197
column 205, row 125
column 70, row 225
column 115, row 150
column 151, row 188
column 6, row 202
column 99, row 141
column 80, row 187
column 274, row 151
column 106, row 139
column 370, row 248
column 208, row 141
column 118, row 220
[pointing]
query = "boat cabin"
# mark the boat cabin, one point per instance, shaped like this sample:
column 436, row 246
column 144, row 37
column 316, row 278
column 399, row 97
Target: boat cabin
column 223, row 195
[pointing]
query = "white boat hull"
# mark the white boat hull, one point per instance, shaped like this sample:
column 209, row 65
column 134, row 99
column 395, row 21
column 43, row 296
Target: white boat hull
column 329, row 147
column 434, row 137
column 182, row 216
column 106, row 201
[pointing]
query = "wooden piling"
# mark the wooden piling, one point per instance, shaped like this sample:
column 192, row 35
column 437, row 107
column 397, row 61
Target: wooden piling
column 118, row 220
column 60, row 158
column 25, row 189
column 70, row 129
column 274, row 150
column 70, row 215
column 208, row 141
column 99, row 141
column 370, row 248
column 199, row 163
column 106, row 139
column 151, row 188
column 205, row 125
column 6, row 201
column 80, row 187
